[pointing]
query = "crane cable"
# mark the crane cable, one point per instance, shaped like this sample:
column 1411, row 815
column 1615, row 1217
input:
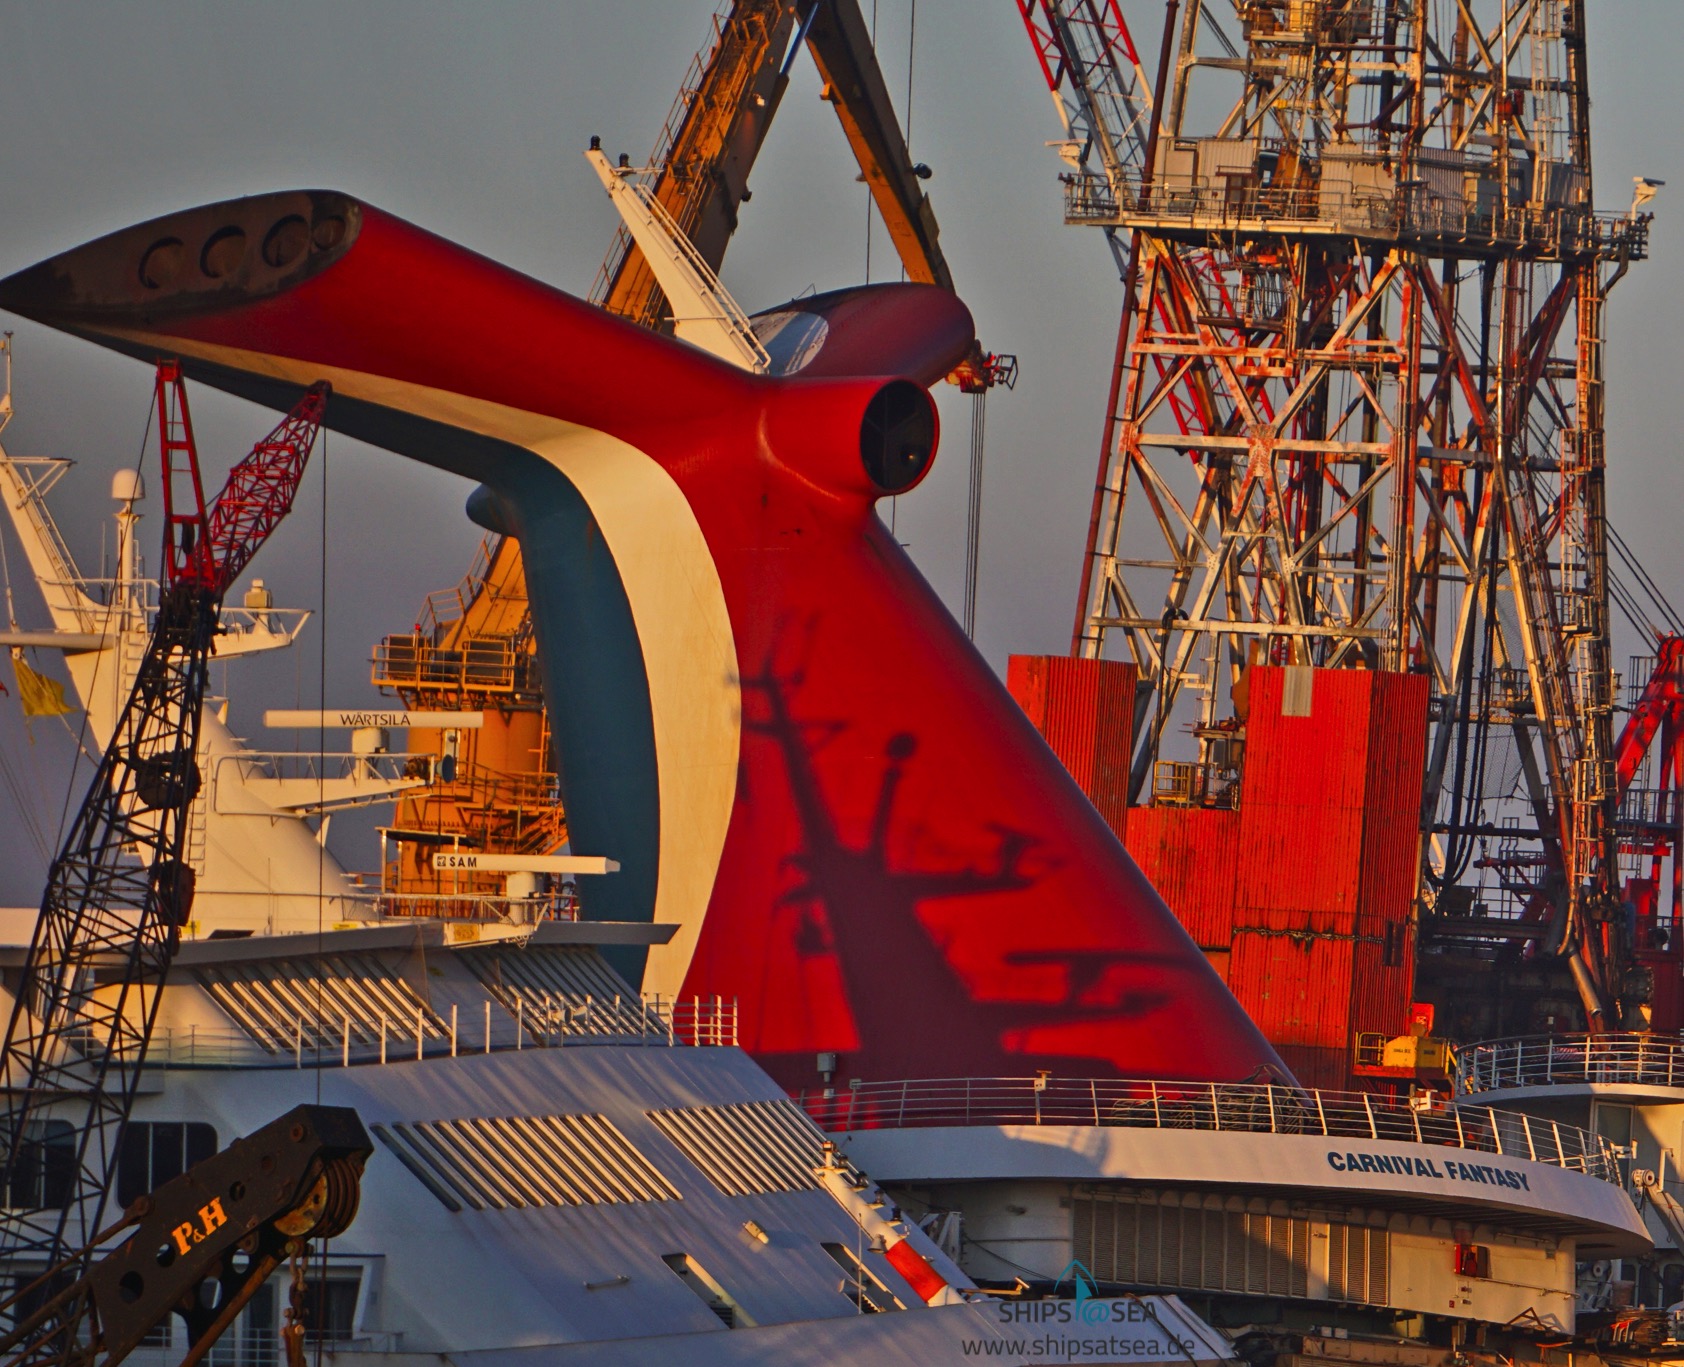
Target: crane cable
column 112, row 609
column 300, row 1293
column 911, row 53
column 868, row 184
column 16, row 785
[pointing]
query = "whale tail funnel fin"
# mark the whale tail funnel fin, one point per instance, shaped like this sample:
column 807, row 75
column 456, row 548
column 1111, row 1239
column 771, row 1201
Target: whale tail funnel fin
column 763, row 711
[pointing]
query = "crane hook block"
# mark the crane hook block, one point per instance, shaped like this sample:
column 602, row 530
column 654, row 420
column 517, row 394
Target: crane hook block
column 227, row 1220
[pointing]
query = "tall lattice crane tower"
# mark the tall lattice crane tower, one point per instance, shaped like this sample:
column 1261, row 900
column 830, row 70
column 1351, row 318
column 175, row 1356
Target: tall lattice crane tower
column 1358, row 412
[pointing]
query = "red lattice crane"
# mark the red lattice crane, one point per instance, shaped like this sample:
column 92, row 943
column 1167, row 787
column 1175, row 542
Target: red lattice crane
column 1651, row 804
column 120, row 889
column 211, row 548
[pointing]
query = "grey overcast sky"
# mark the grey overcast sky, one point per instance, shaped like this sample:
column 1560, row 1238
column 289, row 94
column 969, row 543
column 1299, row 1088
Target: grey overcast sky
column 469, row 118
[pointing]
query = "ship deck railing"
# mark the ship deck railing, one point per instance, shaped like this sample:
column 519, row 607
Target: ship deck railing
column 1251, row 1108
column 247, row 1345
column 476, row 665
column 484, row 907
column 1614, row 1059
column 335, row 1040
column 1403, row 214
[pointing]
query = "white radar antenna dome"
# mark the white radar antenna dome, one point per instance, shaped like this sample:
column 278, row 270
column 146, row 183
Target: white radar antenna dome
column 127, row 486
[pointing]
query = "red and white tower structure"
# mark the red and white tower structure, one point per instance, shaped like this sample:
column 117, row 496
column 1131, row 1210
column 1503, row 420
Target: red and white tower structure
column 1357, row 414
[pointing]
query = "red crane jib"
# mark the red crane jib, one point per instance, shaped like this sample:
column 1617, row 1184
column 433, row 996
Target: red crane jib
column 211, row 548
column 1663, row 693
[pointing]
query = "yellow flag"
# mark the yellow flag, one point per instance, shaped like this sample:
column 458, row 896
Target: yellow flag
column 40, row 696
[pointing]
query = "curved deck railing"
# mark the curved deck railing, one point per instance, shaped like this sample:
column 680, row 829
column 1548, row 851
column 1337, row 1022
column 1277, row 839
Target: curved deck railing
column 1569, row 1060
column 1253, row 1108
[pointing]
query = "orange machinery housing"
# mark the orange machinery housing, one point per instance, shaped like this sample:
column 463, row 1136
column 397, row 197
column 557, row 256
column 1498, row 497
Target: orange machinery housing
column 471, row 650
column 1298, row 880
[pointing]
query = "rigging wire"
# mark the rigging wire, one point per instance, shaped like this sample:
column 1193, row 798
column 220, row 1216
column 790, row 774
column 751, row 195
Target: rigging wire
column 973, row 509
column 321, row 793
column 911, row 53
column 80, row 733
column 321, row 876
column 22, row 797
column 1630, row 608
column 868, row 186
column 1644, row 580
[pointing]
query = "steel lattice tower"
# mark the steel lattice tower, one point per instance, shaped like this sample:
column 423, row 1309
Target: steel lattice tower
column 1358, row 413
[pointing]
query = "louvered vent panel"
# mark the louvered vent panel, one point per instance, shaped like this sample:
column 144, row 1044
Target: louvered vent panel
column 1125, row 1246
column 516, row 1162
column 1379, row 1266
column 754, row 1146
column 1280, row 1254
column 1256, row 1254
column 1147, row 1242
column 563, row 989
column 1338, row 1275
column 1233, row 1236
column 1083, row 1244
column 1300, row 1274
column 282, row 1003
column 1358, row 1264
column 1102, row 1239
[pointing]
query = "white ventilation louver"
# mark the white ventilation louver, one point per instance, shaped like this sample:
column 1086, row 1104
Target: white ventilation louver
column 287, row 1003
column 516, row 1162
column 1358, row 1264
column 1137, row 1238
column 562, row 990
column 754, row 1146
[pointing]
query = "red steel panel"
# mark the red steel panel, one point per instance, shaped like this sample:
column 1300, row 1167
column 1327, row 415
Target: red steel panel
column 1306, row 760
column 1297, row 869
column 1327, row 1068
column 1302, row 800
column 1026, row 681
column 1391, row 839
column 1189, row 855
column 1666, row 1009
column 1328, row 859
column 1084, row 710
column 1297, row 988
column 1383, row 983
column 1331, row 802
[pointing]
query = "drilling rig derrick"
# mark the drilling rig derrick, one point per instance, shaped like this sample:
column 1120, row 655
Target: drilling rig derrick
column 1358, row 414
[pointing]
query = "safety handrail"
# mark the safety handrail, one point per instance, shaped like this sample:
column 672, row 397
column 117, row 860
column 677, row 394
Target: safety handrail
column 1398, row 212
column 544, row 1021
column 1256, row 1108
column 1568, row 1060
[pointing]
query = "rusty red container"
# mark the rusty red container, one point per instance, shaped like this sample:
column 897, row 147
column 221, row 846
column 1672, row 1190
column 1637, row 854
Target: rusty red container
column 1298, row 869
column 1331, row 800
column 1303, row 729
column 1307, row 752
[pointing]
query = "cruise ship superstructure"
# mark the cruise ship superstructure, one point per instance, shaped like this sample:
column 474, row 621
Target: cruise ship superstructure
column 856, row 908
column 1286, row 1211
